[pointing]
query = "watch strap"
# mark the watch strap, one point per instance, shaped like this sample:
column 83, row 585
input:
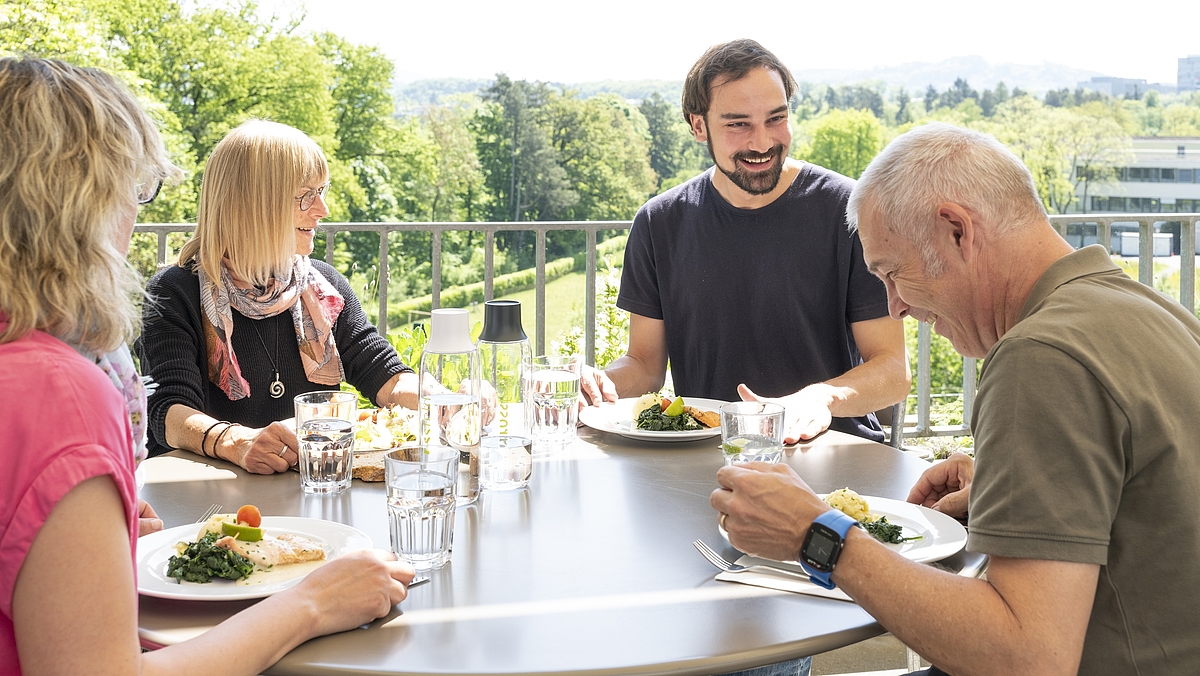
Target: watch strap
column 841, row 523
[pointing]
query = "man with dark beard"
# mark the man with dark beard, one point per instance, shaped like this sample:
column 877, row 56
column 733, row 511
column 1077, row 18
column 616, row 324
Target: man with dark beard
column 746, row 277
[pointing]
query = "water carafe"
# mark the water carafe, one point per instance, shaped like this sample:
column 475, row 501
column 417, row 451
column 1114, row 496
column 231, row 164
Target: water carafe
column 502, row 347
column 450, row 413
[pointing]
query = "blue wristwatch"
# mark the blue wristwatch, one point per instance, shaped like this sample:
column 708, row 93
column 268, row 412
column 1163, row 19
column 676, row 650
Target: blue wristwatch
column 823, row 545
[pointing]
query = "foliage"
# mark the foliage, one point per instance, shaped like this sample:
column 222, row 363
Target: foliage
column 409, row 342
column 946, row 365
column 844, row 141
column 612, row 324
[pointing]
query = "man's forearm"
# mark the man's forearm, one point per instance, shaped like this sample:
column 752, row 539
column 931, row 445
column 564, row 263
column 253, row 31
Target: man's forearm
column 633, row 377
column 965, row 626
column 872, row 385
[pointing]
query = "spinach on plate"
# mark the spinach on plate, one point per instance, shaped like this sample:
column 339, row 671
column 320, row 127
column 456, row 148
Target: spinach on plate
column 201, row 561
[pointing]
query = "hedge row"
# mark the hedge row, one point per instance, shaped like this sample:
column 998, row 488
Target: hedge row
column 522, row 280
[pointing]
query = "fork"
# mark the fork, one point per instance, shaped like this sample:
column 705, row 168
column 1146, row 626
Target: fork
column 208, row 513
column 729, row 567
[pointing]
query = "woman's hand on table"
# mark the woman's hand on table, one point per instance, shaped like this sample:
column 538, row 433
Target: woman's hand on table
column 355, row 588
column 268, row 450
column 946, row 486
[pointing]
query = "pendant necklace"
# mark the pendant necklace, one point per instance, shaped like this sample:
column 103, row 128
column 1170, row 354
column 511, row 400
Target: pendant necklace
column 277, row 388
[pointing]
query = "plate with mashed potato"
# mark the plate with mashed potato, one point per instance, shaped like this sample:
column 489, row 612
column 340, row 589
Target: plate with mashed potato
column 924, row 534
column 699, row 418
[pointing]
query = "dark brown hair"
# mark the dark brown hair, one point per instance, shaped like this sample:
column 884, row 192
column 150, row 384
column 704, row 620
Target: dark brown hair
column 732, row 60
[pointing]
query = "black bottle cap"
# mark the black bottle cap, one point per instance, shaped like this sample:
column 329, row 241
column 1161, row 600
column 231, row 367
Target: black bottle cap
column 502, row 322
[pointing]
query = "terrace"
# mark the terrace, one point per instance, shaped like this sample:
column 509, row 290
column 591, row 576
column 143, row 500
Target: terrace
column 1079, row 230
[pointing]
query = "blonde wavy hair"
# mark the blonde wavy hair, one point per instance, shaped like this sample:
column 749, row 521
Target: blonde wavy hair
column 74, row 143
column 247, row 201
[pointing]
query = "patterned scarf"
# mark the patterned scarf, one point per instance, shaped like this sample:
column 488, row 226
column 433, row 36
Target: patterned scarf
column 118, row 366
column 314, row 303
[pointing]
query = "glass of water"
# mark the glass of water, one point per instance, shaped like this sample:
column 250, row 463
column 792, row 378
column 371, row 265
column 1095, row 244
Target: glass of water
column 752, row 431
column 326, row 404
column 326, row 454
column 420, row 502
column 552, row 393
column 507, row 462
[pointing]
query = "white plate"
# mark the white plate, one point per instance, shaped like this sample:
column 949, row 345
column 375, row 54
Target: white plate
column 941, row 536
column 155, row 549
column 616, row 417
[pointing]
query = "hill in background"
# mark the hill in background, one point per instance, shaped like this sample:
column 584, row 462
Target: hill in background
column 974, row 69
column 915, row 77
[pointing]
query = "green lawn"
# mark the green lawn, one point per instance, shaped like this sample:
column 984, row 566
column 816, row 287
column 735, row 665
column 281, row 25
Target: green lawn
column 564, row 307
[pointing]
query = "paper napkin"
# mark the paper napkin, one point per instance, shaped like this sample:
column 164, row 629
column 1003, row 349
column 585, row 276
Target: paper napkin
column 766, row 577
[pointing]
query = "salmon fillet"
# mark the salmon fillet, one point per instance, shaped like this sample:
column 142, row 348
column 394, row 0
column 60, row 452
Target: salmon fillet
column 275, row 550
column 708, row 419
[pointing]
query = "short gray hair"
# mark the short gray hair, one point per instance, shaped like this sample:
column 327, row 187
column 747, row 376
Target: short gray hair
column 938, row 163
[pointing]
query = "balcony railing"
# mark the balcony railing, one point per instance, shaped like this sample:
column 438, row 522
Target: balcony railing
column 920, row 427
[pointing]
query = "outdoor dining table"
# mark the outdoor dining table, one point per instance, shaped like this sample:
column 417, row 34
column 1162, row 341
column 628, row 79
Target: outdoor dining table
column 590, row 570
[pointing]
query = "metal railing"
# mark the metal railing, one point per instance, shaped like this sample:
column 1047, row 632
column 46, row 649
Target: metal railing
column 924, row 396
column 540, row 228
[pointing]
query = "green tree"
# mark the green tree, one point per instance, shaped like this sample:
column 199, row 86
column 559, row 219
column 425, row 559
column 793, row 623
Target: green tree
column 845, row 141
column 459, row 187
column 931, row 97
column 520, row 165
column 602, row 144
column 670, row 137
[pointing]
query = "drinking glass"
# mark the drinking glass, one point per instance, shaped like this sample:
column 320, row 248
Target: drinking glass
column 552, row 392
column 507, row 462
column 326, row 454
column 752, row 431
column 326, row 404
column 420, row 502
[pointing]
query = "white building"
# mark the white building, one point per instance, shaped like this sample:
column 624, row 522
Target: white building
column 1118, row 87
column 1188, row 79
column 1164, row 177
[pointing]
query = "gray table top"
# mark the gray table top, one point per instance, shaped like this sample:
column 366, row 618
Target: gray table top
column 588, row 571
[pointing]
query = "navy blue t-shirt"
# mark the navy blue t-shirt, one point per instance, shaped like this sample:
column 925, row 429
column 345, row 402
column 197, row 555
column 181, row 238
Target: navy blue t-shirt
column 757, row 296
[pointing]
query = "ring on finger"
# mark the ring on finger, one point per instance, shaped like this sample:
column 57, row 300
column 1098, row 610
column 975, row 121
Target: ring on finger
column 721, row 521
column 283, row 450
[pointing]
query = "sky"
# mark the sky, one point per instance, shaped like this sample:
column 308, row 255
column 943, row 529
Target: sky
column 558, row 41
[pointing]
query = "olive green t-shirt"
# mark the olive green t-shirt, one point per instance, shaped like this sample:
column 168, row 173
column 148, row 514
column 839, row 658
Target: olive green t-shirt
column 1087, row 440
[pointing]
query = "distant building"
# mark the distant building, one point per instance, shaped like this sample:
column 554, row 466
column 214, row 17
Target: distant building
column 1189, row 74
column 1164, row 177
column 1122, row 87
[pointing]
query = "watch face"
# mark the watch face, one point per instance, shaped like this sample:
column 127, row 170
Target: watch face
column 821, row 547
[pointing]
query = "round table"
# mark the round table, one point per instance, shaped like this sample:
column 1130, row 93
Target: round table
column 589, row 570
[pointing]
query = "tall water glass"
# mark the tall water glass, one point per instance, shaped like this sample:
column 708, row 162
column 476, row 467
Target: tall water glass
column 752, row 431
column 420, row 503
column 326, row 454
column 326, row 404
column 552, row 394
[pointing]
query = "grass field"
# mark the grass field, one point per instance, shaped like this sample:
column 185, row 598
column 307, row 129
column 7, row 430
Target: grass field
column 564, row 307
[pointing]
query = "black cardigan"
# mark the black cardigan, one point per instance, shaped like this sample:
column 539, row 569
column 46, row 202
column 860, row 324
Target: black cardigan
column 171, row 350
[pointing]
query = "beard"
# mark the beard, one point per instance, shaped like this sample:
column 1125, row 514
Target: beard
column 753, row 182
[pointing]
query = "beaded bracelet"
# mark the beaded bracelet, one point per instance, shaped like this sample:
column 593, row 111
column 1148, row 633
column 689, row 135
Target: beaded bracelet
column 204, row 439
column 217, row 443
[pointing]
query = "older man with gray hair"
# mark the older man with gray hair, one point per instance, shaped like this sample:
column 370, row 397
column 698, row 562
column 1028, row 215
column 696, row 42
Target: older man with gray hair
column 1083, row 488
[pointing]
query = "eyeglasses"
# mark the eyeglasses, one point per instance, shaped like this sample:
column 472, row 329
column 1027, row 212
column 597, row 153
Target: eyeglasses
column 146, row 192
column 306, row 200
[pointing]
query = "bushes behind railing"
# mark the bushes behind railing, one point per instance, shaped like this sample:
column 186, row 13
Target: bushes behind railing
column 522, row 280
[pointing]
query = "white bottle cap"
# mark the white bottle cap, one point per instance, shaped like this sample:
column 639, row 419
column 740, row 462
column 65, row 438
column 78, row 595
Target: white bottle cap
column 449, row 331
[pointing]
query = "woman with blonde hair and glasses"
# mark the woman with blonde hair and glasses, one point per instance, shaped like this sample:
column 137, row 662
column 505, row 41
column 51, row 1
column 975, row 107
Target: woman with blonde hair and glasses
column 246, row 320
column 77, row 156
